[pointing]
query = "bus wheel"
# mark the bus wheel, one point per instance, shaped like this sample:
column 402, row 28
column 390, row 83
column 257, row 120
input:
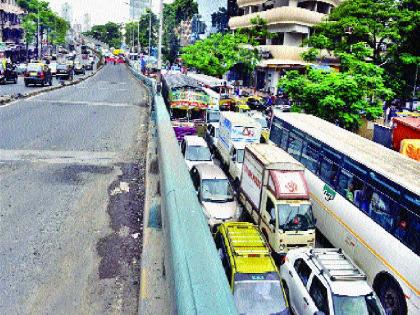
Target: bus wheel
column 390, row 294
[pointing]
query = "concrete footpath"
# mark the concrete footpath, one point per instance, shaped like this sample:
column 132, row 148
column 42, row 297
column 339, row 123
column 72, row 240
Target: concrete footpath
column 154, row 291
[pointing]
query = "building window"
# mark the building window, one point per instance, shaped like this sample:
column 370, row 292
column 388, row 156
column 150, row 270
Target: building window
column 278, row 39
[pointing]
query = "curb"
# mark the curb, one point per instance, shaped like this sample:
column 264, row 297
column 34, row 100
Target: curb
column 10, row 98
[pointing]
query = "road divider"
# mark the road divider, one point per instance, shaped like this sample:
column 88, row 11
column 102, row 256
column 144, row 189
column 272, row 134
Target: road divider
column 196, row 277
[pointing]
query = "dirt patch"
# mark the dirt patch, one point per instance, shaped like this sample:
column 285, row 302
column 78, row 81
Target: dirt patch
column 154, row 166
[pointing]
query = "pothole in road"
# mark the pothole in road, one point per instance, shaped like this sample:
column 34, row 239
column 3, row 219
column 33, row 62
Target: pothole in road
column 73, row 174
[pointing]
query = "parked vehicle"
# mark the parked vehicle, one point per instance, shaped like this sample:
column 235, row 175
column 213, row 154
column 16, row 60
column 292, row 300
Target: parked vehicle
column 327, row 281
column 64, row 71
column 215, row 194
column 256, row 103
column 195, row 151
column 236, row 130
column 53, row 67
column 250, row 269
column 8, row 73
column 273, row 190
column 38, row 73
column 79, row 68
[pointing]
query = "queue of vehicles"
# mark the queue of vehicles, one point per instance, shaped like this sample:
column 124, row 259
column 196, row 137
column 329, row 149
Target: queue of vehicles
column 268, row 186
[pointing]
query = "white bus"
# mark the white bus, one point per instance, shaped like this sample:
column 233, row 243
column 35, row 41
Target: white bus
column 365, row 200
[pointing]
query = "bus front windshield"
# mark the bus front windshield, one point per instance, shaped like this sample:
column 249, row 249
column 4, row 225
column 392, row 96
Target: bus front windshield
column 295, row 216
column 259, row 296
column 213, row 116
column 361, row 305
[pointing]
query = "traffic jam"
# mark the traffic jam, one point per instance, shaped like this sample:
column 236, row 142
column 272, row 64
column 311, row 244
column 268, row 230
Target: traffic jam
column 63, row 64
column 258, row 205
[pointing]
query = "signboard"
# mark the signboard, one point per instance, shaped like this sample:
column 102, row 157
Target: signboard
column 288, row 185
column 252, row 179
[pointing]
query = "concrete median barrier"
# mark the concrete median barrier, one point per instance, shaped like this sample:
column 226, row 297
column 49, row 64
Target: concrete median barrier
column 197, row 281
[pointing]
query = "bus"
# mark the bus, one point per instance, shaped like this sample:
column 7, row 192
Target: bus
column 365, row 201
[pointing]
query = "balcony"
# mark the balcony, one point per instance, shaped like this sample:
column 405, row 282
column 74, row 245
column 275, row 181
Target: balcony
column 278, row 16
column 289, row 55
column 244, row 3
column 9, row 8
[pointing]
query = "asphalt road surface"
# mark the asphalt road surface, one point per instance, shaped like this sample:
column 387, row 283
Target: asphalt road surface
column 71, row 197
column 20, row 88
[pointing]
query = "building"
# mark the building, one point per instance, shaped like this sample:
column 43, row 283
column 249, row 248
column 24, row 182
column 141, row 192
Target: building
column 87, row 24
column 67, row 12
column 11, row 32
column 291, row 21
column 138, row 8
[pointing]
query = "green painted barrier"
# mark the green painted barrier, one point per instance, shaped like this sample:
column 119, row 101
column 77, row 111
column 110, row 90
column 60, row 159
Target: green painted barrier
column 197, row 280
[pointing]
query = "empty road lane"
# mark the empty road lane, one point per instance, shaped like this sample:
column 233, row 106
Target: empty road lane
column 71, row 197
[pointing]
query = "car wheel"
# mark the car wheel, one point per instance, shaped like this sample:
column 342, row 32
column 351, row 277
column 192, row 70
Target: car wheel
column 26, row 84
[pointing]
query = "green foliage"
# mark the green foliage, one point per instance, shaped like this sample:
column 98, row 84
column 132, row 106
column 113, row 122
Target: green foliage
column 173, row 15
column 143, row 37
column 339, row 97
column 218, row 53
column 390, row 28
column 50, row 23
column 108, row 33
column 258, row 32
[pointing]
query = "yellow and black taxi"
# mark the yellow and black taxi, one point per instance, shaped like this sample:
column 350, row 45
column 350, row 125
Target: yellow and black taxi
column 252, row 274
column 38, row 73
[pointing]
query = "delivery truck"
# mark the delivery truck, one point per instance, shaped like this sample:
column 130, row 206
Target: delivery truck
column 274, row 192
column 235, row 131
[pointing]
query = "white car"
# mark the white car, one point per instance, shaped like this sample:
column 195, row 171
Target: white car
column 215, row 194
column 195, row 151
column 326, row 281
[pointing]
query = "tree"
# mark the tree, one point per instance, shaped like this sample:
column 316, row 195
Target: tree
column 340, row 97
column 218, row 53
column 258, row 32
column 173, row 15
column 108, row 33
column 389, row 27
column 220, row 20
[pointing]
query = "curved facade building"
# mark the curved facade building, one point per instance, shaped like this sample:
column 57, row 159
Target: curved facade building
column 292, row 22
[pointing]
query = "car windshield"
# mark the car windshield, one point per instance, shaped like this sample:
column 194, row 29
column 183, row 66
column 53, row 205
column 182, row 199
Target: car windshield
column 295, row 216
column 361, row 305
column 34, row 67
column 216, row 190
column 262, row 122
column 259, row 297
column 198, row 153
column 213, row 116
column 61, row 67
column 240, row 155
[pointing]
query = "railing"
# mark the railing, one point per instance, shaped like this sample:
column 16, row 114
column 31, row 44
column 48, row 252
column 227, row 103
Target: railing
column 196, row 277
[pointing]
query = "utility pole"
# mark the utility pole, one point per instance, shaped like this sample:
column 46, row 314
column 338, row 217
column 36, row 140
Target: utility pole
column 159, row 65
column 150, row 31
column 38, row 37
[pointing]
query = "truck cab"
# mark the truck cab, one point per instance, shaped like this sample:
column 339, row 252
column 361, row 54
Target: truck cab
column 274, row 192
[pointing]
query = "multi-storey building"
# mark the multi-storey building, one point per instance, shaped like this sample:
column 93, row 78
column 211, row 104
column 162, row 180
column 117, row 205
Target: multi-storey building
column 291, row 21
column 11, row 32
column 138, row 8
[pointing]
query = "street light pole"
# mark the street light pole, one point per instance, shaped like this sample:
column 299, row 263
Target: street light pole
column 38, row 37
column 159, row 64
column 150, row 31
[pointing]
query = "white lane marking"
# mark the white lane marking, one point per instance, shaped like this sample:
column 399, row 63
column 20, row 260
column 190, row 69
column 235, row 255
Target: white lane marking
column 58, row 157
column 84, row 103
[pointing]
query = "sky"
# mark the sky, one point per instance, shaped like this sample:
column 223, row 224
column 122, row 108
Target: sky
column 101, row 11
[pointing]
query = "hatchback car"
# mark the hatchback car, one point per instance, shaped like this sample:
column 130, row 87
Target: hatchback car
column 215, row 194
column 64, row 71
column 326, row 281
column 195, row 151
column 38, row 73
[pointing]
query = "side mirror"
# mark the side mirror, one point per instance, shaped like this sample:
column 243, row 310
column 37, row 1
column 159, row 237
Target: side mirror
column 234, row 158
column 272, row 221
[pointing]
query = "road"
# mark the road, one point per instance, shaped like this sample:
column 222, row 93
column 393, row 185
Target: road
column 20, row 88
column 71, row 198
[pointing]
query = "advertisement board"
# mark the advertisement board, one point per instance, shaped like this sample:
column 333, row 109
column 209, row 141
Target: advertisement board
column 252, row 179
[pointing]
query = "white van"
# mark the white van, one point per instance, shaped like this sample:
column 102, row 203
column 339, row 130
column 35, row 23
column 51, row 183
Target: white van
column 195, row 151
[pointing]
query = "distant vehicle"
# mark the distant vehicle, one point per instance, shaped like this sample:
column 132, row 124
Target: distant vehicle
column 79, row 68
column 8, row 73
column 195, row 151
column 282, row 104
column 250, row 269
column 38, row 73
column 327, row 281
column 53, row 67
column 366, row 199
column 215, row 194
column 89, row 66
column 21, row 68
column 64, row 71
column 273, row 190
column 256, row 103
column 236, row 130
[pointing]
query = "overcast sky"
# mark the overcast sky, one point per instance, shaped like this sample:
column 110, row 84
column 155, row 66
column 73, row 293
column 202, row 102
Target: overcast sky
column 101, row 11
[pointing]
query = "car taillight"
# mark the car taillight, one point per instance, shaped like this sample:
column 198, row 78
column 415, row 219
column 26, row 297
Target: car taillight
column 41, row 74
column 26, row 74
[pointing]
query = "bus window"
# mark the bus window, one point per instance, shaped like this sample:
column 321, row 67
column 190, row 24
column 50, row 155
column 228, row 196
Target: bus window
column 275, row 133
column 284, row 138
column 328, row 172
column 414, row 233
column 295, row 146
column 310, row 156
column 347, row 184
column 383, row 210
